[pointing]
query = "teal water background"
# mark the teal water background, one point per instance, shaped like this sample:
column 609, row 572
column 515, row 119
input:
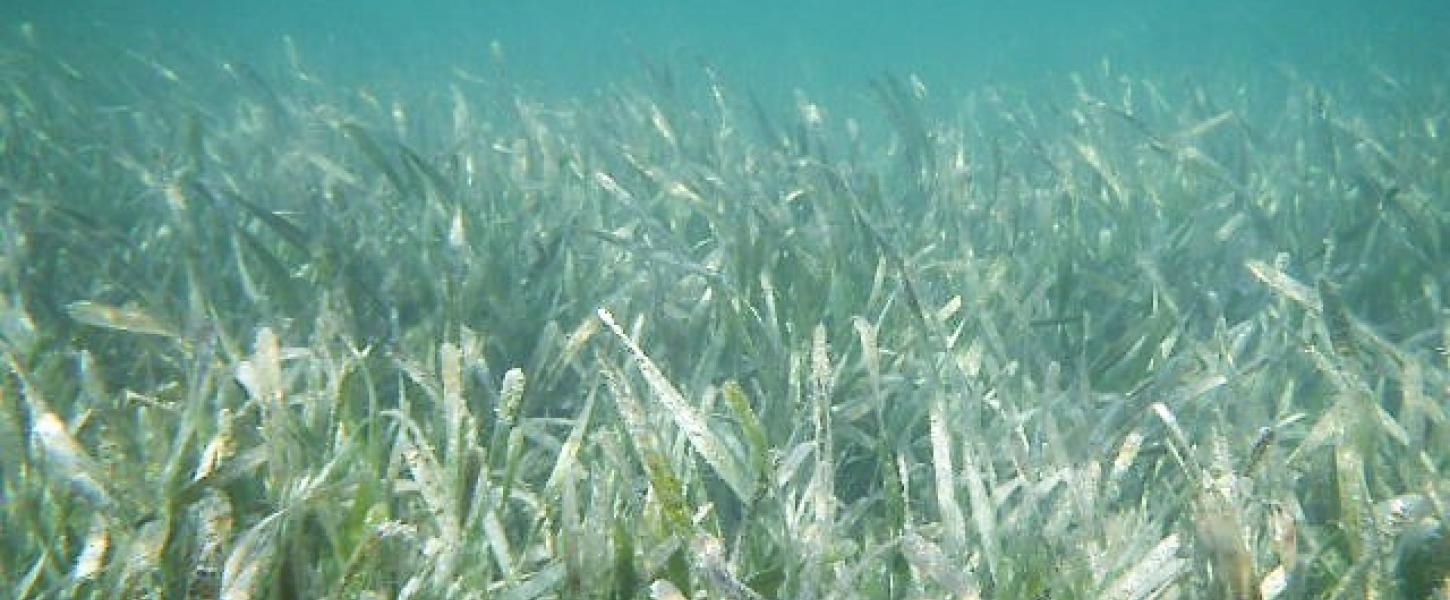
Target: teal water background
column 575, row 46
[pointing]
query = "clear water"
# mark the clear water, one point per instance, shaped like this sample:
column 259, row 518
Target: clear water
column 827, row 47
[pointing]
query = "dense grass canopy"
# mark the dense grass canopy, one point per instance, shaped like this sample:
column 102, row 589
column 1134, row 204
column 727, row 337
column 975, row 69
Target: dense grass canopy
column 269, row 336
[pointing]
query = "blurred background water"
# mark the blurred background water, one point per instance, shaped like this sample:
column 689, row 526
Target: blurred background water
column 574, row 46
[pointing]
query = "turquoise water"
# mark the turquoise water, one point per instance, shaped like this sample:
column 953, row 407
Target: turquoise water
column 827, row 47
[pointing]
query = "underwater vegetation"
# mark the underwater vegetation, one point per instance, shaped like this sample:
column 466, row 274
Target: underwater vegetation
column 267, row 336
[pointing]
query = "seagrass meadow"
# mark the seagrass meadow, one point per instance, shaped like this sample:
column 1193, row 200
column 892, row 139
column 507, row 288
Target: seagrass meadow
column 268, row 335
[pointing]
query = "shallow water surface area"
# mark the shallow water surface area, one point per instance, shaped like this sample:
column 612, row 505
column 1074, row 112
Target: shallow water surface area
column 724, row 300
column 575, row 45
